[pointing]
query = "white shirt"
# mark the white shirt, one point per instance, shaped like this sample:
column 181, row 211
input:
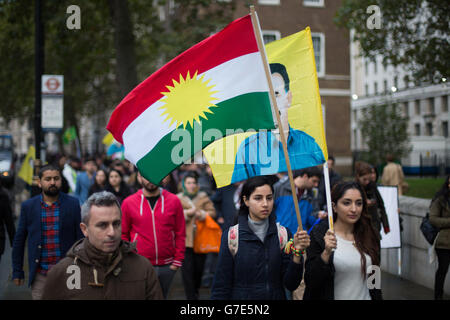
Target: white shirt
column 349, row 284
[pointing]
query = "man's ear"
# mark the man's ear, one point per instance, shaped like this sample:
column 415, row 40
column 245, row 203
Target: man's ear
column 289, row 98
column 83, row 228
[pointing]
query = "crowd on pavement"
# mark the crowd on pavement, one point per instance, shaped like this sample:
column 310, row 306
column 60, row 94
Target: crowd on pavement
column 98, row 229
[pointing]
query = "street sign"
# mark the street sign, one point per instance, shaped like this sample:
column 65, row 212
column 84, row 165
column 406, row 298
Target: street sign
column 52, row 84
column 52, row 113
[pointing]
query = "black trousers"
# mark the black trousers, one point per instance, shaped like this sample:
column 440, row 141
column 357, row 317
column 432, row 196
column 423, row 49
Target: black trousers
column 192, row 271
column 443, row 256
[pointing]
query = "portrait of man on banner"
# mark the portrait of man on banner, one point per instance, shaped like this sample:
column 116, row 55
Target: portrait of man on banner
column 262, row 153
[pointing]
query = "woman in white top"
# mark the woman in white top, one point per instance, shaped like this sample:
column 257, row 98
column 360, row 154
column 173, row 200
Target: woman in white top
column 339, row 263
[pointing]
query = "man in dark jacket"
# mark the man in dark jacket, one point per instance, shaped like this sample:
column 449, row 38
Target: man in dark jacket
column 51, row 222
column 6, row 219
column 102, row 266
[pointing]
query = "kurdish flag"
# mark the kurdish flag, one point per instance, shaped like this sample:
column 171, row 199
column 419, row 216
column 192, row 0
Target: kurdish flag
column 294, row 77
column 210, row 90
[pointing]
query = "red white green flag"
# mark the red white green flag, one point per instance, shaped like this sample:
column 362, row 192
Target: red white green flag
column 207, row 92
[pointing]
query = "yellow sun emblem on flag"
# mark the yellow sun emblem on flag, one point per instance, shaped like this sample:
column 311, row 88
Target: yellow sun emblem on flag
column 188, row 100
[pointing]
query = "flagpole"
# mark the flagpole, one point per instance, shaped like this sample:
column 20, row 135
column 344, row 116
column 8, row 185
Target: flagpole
column 328, row 195
column 262, row 51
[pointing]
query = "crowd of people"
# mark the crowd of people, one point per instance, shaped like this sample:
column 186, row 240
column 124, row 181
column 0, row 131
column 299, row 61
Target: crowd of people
column 98, row 229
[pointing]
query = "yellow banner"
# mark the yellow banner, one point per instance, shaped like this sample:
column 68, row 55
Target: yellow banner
column 294, row 77
column 26, row 170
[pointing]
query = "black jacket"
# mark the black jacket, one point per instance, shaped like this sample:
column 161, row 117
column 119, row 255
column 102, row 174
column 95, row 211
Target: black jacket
column 6, row 220
column 319, row 276
column 258, row 271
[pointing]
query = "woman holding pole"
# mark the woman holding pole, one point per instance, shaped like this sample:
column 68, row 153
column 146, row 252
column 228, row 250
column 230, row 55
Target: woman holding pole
column 338, row 260
column 254, row 261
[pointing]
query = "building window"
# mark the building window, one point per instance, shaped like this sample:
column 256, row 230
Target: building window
column 406, row 81
column 270, row 35
column 406, row 109
column 431, row 105
column 417, row 129
column 318, row 40
column 366, row 89
column 366, row 66
column 429, row 129
column 445, row 128
column 269, row 2
column 375, row 66
column 375, row 87
column 444, row 104
column 385, row 86
column 314, row 3
column 417, row 107
column 396, row 82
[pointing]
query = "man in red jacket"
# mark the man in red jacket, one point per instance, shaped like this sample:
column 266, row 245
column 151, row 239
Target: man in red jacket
column 154, row 219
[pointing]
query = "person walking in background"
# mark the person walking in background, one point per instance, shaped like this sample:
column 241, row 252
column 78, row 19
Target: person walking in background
column 304, row 180
column 253, row 263
column 99, row 182
column 225, row 205
column 51, row 223
column 154, row 219
column 393, row 174
column 342, row 274
column 375, row 202
column 117, row 186
column 440, row 218
column 70, row 173
column 62, row 162
column 196, row 205
column 6, row 219
column 108, row 268
column 85, row 180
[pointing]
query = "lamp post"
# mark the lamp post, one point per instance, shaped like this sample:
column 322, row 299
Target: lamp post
column 39, row 70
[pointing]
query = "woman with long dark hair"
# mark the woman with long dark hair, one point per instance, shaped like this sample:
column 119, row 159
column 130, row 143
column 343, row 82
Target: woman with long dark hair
column 100, row 181
column 440, row 218
column 375, row 203
column 117, row 186
column 254, row 263
column 337, row 261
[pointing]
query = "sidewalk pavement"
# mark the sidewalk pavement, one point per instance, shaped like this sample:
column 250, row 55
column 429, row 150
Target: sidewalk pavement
column 392, row 286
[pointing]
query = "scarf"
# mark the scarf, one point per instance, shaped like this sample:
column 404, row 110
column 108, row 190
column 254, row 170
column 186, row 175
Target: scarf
column 187, row 194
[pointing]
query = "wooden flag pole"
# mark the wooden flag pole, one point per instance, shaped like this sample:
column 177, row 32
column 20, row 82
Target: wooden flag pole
column 262, row 50
column 328, row 195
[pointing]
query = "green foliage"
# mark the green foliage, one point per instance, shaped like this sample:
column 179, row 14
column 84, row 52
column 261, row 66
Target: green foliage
column 384, row 130
column 413, row 33
column 87, row 57
column 424, row 188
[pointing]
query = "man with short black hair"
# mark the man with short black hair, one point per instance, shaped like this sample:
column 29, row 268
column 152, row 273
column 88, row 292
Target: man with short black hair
column 153, row 218
column 304, row 180
column 51, row 222
column 102, row 266
column 85, row 180
column 262, row 153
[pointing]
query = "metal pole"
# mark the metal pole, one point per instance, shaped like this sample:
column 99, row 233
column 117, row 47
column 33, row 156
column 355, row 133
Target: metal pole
column 39, row 70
